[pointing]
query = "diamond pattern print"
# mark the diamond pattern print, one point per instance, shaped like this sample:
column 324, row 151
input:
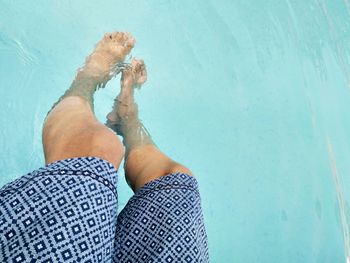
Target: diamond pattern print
column 163, row 222
column 66, row 211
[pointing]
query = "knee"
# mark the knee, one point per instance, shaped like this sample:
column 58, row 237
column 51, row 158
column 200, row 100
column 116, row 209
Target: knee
column 106, row 145
column 179, row 168
column 148, row 163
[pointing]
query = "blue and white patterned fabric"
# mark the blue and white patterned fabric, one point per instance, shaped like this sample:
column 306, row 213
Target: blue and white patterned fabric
column 67, row 212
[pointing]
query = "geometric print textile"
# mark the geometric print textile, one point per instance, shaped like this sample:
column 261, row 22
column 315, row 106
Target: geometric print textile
column 66, row 211
column 163, row 222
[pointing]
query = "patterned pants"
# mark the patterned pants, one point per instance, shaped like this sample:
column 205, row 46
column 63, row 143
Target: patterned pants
column 67, row 212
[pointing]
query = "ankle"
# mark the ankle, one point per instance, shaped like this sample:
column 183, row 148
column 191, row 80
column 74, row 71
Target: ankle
column 86, row 77
column 127, row 83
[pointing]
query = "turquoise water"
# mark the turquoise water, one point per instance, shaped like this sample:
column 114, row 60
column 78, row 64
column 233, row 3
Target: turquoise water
column 253, row 96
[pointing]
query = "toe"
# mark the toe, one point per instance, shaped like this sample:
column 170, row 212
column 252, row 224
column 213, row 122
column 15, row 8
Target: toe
column 140, row 66
column 125, row 37
column 134, row 62
column 128, row 43
column 119, row 37
column 139, row 71
column 109, row 36
column 125, row 41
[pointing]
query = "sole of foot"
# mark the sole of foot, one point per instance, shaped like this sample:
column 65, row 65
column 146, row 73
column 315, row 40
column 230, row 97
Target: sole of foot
column 104, row 62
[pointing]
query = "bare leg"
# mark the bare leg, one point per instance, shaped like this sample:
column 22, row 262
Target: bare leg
column 70, row 128
column 144, row 161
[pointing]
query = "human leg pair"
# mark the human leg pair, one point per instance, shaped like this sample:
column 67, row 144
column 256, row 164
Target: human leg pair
column 72, row 130
column 163, row 220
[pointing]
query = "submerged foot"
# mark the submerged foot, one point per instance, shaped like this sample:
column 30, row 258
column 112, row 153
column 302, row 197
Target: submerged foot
column 106, row 60
column 125, row 107
column 135, row 75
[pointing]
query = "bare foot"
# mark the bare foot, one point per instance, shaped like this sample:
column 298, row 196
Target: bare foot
column 107, row 57
column 135, row 75
column 125, row 107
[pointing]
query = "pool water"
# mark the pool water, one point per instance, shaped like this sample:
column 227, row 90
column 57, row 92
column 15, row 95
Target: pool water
column 252, row 96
